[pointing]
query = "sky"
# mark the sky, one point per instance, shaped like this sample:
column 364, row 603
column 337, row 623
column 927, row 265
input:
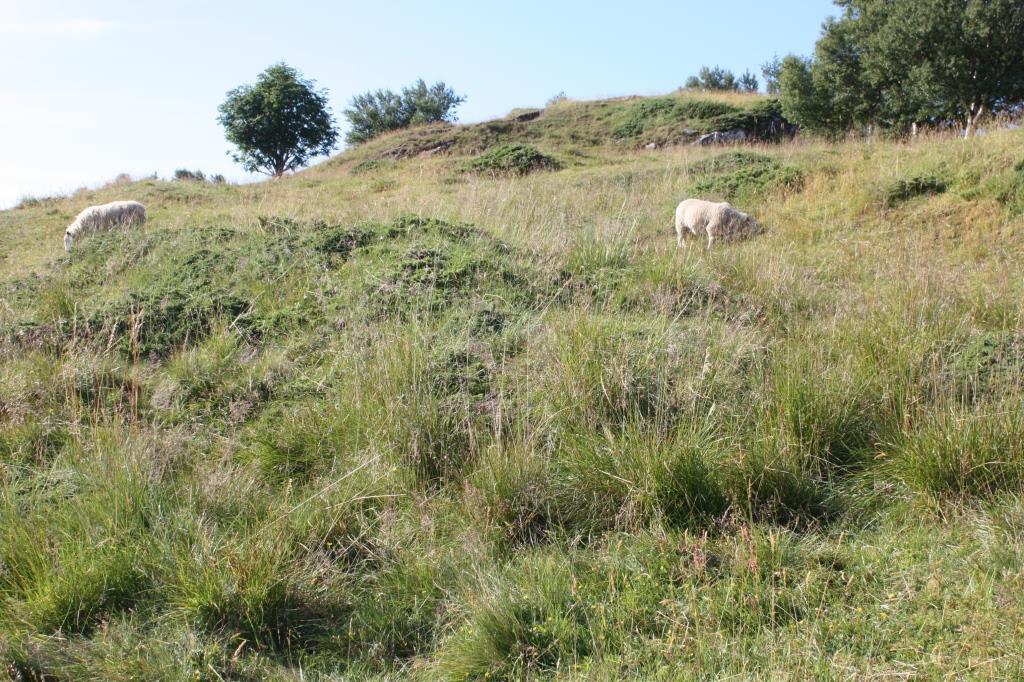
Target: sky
column 92, row 89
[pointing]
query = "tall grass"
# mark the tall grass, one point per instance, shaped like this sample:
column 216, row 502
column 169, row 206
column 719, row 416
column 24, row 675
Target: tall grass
column 389, row 419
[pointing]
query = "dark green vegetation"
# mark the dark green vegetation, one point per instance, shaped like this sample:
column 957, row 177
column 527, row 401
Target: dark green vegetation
column 374, row 113
column 917, row 186
column 718, row 78
column 278, row 124
column 512, row 159
column 382, row 420
column 896, row 63
column 743, row 175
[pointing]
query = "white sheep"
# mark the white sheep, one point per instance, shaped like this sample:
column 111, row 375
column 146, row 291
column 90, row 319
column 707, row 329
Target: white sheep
column 104, row 217
column 718, row 221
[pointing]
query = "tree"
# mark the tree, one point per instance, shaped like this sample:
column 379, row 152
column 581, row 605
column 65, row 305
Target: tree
column 380, row 111
column 771, row 70
column 713, row 79
column 279, row 123
column 748, row 82
column 958, row 59
column 896, row 63
column 803, row 102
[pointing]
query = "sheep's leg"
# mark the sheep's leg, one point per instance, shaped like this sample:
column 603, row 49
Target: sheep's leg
column 711, row 229
column 682, row 234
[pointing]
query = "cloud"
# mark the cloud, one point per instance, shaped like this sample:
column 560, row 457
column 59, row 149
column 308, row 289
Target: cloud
column 69, row 28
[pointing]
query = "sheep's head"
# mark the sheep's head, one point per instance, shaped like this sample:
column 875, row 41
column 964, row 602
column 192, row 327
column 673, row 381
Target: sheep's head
column 750, row 225
column 68, row 239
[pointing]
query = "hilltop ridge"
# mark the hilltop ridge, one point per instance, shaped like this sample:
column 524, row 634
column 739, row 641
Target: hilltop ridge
column 627, row 122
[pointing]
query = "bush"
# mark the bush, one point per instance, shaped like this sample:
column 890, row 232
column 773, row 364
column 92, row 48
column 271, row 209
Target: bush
column 512, row 159
column 185, row 174
column 1011, row 194
column 903, row 190
column 736, row 174
column 732, row 161
column 371, row 166
column 373, row 113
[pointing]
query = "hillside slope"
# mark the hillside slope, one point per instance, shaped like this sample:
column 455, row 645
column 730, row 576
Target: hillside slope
column 395, row 417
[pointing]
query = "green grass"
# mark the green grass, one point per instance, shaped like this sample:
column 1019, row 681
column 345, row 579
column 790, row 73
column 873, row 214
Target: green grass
column 512, row 159
column 384, row 419
column 921, row 185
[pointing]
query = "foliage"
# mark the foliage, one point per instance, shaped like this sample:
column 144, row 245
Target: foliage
column 742, row 174
column 373, row 113
column 893, row 64
column 919, row 185
column 279, row 123
column 747, row 82
column 512, row 159
column 771, row 70
column 718, row 78
column 557, row 99
column 715, row 78
column 198, row 176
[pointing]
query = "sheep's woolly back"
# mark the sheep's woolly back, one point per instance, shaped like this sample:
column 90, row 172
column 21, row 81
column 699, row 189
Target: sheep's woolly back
column 104, row 217
column 715, row 220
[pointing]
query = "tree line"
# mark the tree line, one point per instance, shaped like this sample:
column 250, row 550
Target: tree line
column 881, row 64
column 282, row 121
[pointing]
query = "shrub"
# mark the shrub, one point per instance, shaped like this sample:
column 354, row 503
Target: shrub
column 1011, row 194
column 732, row 161
column 371, row 166
column 512, row 159
column 920, row 185
column 753, row 174
column 373, row 113
column 715, row 78
column 654, row 112
column 185, row 174
column 157, row 321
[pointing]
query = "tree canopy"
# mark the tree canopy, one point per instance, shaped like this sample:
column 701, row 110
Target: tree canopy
column 279, row 123
column 717, row 78
column 380, row 111
column 894, row 63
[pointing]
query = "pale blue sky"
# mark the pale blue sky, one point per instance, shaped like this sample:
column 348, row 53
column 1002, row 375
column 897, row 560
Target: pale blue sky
column 90, row 89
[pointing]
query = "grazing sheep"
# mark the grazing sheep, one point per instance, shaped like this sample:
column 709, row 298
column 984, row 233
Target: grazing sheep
column 717, row 221
column 104, row 217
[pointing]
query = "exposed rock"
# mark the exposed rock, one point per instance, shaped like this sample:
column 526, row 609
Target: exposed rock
column 722, row 137
column 527, row 116
column 439, row 149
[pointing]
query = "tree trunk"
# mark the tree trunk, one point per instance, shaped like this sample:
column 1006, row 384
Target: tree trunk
column 974, row 113
column 913, row 130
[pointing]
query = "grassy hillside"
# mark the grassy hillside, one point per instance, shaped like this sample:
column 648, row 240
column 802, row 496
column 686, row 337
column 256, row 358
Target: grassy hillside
column 574, row 127
column 400, row 417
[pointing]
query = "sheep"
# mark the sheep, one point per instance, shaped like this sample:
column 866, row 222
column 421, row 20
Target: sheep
column 104, row 217
column 717, row 221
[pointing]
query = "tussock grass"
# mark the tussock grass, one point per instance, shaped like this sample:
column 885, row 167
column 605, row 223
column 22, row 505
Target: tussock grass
column 377, row 420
